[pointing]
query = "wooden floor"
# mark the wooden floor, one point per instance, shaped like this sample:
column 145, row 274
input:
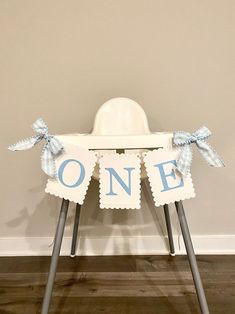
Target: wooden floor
column 117, row 285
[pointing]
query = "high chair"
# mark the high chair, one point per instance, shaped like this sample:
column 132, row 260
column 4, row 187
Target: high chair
column 121, row 124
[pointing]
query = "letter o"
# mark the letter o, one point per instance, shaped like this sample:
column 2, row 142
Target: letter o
column 61, row 171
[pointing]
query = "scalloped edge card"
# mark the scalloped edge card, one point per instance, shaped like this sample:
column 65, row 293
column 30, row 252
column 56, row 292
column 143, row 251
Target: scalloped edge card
column 166, row 183
column 74, row 169
column 120, row 181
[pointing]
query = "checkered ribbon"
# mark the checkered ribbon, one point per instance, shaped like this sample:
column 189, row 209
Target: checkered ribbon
column 50, row 151
column 184, row 140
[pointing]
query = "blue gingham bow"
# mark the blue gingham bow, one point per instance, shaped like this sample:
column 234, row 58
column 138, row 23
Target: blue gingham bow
column 184, row 141
column 50, row 151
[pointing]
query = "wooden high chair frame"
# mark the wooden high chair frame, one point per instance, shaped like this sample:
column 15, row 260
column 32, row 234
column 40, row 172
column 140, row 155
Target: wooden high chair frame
column 96, row 141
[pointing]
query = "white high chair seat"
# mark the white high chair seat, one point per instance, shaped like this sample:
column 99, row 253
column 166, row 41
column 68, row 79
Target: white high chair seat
column 120, row 116
column 120, row 123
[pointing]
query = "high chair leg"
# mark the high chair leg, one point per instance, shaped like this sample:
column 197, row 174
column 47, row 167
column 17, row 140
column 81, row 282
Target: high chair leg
column 192, row 259
column 169, row 229
column 55, row 256
column 75, row 230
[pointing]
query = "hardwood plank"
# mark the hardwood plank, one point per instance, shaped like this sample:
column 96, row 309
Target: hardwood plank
column 114, row 284
column 38, row 264
column 119, row 305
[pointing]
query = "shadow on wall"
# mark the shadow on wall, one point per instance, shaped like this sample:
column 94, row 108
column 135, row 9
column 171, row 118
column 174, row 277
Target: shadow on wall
column 94, row 222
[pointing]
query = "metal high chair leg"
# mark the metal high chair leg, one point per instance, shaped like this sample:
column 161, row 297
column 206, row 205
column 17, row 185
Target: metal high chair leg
column 192, row 259
column 169, row 229
column 55, row 256
column 75, row 230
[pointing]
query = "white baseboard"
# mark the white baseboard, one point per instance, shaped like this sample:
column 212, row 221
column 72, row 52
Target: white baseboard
column 210, row 244
column 117, row 245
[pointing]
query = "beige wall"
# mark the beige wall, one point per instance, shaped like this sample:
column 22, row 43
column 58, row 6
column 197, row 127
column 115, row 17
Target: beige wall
column 61, row 60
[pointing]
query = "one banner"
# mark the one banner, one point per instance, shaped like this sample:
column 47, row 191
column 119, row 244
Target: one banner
column 167, row 184
column 73, row 171
column 120, row 181
column 70, row 168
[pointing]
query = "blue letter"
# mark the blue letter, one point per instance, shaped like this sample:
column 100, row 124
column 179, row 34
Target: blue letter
column 112, row 172
column 171, row 174
column 61, row 171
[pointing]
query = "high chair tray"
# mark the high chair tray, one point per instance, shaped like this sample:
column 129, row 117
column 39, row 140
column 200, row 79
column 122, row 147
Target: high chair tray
column 89, row 141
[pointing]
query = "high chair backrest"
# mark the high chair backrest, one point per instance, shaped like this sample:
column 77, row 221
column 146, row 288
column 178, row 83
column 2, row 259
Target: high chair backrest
column 120, row 116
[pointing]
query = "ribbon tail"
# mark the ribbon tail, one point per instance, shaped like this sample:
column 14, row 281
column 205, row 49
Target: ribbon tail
column 48, row 162
column 184, row 160
column 55, row 146
column 25, row 144
column 210, row 154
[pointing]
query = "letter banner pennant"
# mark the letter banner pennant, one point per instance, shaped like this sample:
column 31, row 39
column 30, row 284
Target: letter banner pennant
column 120, row 181
column 73, row 172
column 166, row 182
